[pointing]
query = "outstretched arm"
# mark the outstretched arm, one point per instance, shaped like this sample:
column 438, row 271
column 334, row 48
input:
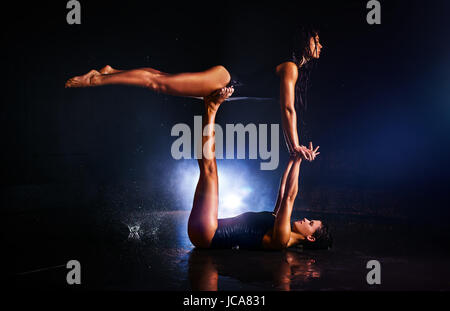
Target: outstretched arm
column 282, row 188
column 281, row 233
column 287, row 193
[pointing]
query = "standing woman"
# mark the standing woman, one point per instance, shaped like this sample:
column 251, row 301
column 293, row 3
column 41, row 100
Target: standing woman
column 294, row 73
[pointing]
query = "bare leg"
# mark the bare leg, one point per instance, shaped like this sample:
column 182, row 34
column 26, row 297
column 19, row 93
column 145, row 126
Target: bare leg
column 108, row 70
column 202, row 223
column 196, row 84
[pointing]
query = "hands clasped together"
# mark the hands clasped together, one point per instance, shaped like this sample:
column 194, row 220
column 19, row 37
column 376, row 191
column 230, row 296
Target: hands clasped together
column 305, row 153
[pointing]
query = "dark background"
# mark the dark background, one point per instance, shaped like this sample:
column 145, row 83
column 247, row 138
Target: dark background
column 378, row 105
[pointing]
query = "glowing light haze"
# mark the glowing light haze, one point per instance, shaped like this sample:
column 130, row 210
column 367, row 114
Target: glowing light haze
column 239, row 190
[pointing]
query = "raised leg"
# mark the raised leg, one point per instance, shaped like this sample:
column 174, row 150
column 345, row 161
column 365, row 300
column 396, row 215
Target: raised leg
column 195, row 84
column 202, row 223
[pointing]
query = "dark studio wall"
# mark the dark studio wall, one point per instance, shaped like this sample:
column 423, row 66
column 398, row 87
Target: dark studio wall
column 378, row 104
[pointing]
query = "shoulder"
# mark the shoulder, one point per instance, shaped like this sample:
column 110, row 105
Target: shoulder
column 288, row 70
column 295, row 239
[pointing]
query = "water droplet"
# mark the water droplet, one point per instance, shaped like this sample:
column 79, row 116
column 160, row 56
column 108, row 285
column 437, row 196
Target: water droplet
column 134, row 232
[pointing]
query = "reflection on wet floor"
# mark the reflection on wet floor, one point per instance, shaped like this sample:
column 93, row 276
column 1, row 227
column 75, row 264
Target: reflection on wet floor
column 142, row 250
column 219, row 269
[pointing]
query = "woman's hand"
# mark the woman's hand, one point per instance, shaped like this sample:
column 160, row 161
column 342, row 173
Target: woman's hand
column 305, row 153
column 213, row 100
column 220, row 95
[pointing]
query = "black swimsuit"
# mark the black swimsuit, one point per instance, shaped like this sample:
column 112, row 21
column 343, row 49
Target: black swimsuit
column 261, row 81
column 244, row 231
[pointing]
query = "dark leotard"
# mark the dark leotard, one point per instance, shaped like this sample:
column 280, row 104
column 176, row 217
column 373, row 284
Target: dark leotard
column 244, row 231
column 259, row 79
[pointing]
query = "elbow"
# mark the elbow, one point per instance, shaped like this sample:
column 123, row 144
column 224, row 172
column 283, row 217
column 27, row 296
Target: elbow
column 288, row 110
column 291, row 195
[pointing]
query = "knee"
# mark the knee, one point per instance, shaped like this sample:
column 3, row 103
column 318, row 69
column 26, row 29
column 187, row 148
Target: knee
column 201, row 235
column 223, row 75
column 200, row 242
column 292, row 194
column 152, row 81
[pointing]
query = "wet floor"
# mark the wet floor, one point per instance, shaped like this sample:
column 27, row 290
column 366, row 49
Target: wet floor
column 147, row 250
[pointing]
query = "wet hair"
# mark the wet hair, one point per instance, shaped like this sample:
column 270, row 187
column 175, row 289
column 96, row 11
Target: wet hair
column 302, row 57
column 323, row 239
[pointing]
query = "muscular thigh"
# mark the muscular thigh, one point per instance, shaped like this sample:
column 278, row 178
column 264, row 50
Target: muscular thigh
column 193, row 83
column 202, row 222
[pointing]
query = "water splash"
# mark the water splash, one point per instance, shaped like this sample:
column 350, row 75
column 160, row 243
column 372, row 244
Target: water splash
column 135, row 232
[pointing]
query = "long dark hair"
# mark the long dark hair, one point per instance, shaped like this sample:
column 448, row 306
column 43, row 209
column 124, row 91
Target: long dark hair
column 302, row 56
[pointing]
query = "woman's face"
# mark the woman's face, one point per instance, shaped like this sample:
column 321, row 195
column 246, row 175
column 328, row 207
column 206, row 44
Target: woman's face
column 306, row 227
column 315, row 46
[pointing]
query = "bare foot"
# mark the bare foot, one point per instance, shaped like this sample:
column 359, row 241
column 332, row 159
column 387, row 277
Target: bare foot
column 82, row 81
column 213, row 100
column 107, row 70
